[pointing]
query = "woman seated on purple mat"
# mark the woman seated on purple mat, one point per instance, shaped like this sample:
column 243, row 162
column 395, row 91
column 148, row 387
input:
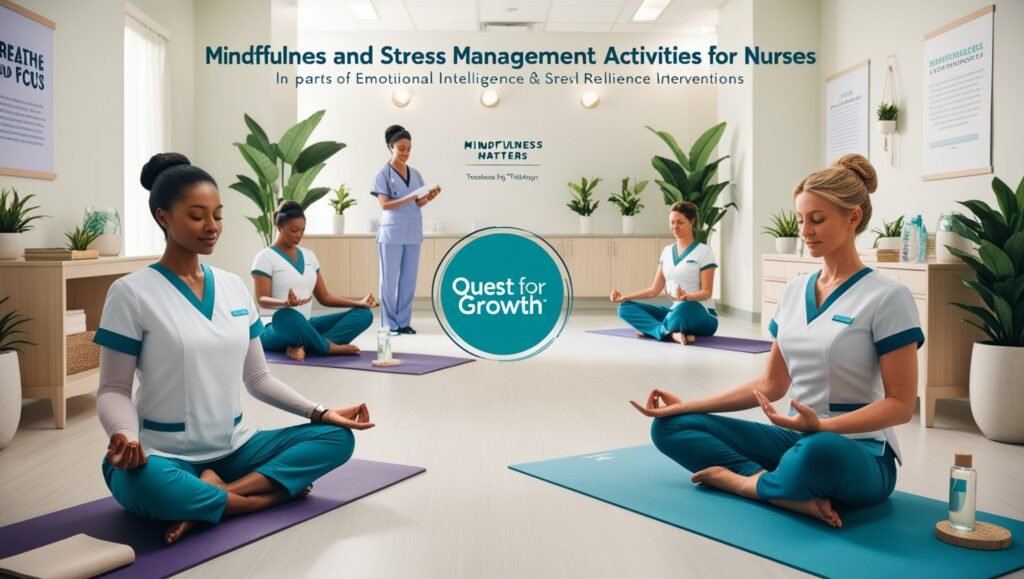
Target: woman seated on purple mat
column 846, row 340
column 191, row 332
column 686, row 273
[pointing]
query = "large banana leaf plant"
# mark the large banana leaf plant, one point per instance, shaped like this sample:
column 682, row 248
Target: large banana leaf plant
column 999, row 235
column 691, row 178
column 269, row 162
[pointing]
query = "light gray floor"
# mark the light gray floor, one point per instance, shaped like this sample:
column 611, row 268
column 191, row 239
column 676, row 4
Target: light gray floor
column 469, row 516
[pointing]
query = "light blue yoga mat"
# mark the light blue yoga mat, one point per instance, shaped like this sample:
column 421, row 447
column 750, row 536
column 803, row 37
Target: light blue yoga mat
column 893, row 539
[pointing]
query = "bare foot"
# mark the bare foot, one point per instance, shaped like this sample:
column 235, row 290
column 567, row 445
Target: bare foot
column 690, row 338
column 297, row 353
column 176, row 530
column 304, row 492
column 724, row 479
column 817, row 508
column 210, row 477
column 678, row 338
column 640, row 335
column 344, row 349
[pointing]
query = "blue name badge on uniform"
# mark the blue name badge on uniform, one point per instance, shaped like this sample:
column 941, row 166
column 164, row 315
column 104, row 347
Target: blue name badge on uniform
column 241, row 312
column 842, row 319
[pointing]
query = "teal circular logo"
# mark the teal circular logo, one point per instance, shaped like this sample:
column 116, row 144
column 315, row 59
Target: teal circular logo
column 502, row 293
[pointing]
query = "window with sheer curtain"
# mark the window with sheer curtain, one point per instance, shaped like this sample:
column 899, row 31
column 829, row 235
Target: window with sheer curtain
column 146, row 126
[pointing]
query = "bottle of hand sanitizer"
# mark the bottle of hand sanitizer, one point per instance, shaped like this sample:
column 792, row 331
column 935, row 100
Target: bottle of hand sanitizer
column 963, row 482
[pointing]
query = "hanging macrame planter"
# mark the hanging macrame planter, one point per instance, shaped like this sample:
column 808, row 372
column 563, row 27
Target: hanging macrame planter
column 888, row 113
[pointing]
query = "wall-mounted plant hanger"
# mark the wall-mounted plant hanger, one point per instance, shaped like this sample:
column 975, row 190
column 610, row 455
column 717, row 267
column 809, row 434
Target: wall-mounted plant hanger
column 888, row 112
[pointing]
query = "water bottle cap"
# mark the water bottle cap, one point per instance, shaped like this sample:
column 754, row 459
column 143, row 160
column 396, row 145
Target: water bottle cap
column 963, row 460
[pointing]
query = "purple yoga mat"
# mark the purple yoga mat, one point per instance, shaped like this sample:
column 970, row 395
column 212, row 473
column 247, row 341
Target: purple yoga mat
column 717, row 342
column 107, row 520
column 416, row 364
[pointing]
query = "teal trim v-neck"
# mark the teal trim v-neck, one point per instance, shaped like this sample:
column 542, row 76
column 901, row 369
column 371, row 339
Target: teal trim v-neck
column 299, row 263
column 676, row 258
column 811, row 302
column 204, row 307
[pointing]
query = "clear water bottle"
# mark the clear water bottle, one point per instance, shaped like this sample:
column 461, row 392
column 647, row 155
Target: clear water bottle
column 383, row 344
column 963, row 483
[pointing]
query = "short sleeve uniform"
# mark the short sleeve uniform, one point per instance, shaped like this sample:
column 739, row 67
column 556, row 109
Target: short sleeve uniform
column 833, row 352
column 402, row 225
column 684, row 269
column 191, row 353
column 285, row 273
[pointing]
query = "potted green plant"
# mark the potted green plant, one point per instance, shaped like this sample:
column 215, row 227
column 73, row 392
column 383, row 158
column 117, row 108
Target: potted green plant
column 997, row 364
column 691, row 178
column 79, row 239
column 10, row 372
column 15, row 219
column 890, row 235
column 887, row 115
column 342, row 201
column 628, row 202
column 268, row 161
column 583, row 202
column 106, row 224
column 785, row 230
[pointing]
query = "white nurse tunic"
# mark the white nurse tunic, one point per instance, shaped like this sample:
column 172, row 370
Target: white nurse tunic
column 191, row 354
column 832, row 352
column 684, row 269
column 285, row 273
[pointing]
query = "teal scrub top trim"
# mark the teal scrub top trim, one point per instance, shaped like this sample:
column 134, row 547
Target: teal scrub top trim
column 709, row 266
column 676, row 258
column 261, row 273
column 897, row 341
column 773, row 329
column 299, row 263
column 173, row 426
column 256, row 329
column 118, row 342
column 813, row 311
column 204, row 307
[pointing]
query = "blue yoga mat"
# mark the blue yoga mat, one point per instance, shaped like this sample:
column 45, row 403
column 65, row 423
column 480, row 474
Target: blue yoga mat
column 893, row 539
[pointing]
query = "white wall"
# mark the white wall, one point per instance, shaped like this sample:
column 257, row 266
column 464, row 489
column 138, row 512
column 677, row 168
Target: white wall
column 873, row 29
column 88, row 116
column 609, row 141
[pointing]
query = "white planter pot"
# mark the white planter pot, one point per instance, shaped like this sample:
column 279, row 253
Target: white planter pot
column 889, row 243
column 786, row 244
column 11, row 245
column 887, row 127
column 628, row 225
column 338, row 225
column 954, row 240
column 586, row 224
column 108, row 244
column 997, row 395
column 10, row 396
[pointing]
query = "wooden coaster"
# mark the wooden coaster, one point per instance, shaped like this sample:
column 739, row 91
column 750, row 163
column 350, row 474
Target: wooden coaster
column 985, row 536
column 386, row 363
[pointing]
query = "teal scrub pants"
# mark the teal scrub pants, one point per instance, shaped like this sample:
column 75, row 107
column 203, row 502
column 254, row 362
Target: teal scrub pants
column 798, row 466
column 660, row 321
column 290, row 328
column 169, row 489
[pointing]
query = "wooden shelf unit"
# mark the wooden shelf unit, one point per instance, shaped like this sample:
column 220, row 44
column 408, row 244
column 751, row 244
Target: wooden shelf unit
column 44, row 291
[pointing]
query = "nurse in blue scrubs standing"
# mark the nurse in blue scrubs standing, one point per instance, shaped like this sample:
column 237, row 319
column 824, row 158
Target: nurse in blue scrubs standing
column 846, row 340
column 401, row 230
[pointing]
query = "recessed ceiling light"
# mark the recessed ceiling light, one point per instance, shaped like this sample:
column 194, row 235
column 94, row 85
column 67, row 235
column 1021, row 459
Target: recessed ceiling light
column 363, row 9
column 650, row 10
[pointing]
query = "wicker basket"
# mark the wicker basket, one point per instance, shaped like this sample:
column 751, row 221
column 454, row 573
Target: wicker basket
column 82, row 353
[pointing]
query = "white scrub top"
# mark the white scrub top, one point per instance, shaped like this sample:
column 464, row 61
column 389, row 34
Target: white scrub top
column 832, row 352
column 403, row 225
column 190, row 353
column 286, row 274
column 684, row 269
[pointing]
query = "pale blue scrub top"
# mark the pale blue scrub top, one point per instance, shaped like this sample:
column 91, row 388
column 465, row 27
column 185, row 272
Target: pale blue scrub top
column 403, row 225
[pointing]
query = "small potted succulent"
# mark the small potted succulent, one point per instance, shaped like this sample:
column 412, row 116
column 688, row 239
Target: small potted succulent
column 10, row 372
column 628, row 202
column 107, row 227
column 887, row 115
column 15, row 219
column 785, row 230
column 583, row 202
column 890, row 236
column 342, row 201
column 79, row 239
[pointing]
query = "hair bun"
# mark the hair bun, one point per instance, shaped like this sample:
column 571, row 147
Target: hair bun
column 392, row 131
column 158, row 164
column 860, row 167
